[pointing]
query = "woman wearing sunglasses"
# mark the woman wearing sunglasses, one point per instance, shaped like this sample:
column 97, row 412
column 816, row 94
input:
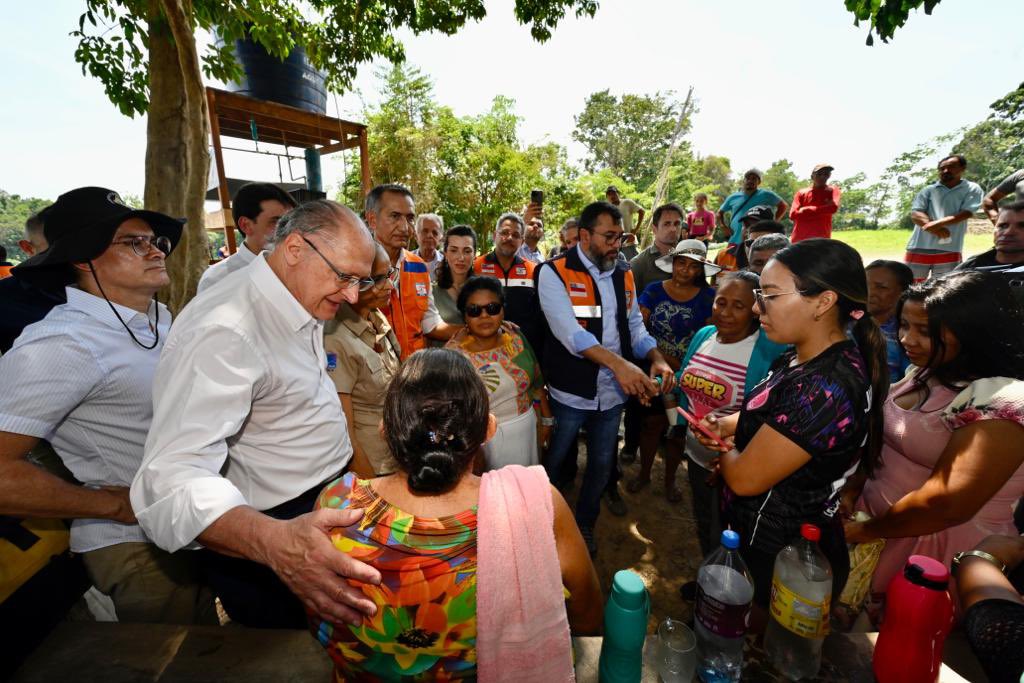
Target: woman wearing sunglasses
column 816, row 417
column 362, row 358
column 511, row 373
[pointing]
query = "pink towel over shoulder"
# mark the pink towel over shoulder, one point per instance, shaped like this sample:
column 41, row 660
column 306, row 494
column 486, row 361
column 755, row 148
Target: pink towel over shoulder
column 522, row 626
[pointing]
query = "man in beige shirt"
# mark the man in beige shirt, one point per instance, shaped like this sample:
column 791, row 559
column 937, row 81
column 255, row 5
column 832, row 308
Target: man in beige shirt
column 362, row 358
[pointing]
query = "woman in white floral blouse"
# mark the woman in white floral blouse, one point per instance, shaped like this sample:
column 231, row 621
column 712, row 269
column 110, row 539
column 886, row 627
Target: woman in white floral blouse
column 511, row 373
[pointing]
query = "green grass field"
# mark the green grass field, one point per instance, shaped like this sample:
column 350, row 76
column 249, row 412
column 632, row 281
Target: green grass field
column 890, row 244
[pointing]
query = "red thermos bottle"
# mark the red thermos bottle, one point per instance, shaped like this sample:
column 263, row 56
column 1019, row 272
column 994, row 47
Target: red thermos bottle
column 918, row 617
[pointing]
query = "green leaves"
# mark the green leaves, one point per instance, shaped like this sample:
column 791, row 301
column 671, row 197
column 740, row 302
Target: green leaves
column 339, row 35
column 885, row 16
column 628, row 135
column 115, row 54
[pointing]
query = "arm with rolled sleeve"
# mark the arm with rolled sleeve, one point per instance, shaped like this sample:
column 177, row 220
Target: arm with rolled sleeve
column 202, row 394
column 557, row 309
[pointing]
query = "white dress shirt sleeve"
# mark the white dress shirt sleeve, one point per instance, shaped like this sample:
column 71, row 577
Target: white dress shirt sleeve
column 202, row 394
column 641, row 339
column 557, row 308
column 431, row 316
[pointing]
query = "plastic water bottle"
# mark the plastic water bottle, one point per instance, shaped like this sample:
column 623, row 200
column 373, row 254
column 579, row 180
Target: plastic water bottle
column 801, row 595
column 625, row 628
column 722, row 612
column 918, row 617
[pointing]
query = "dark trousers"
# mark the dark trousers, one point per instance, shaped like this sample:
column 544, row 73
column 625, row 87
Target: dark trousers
column 251, row 593
column 632, row 424
column 570, row 468
column 707, row 501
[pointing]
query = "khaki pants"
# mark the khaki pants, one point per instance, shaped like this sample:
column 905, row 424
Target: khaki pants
column 148, row 584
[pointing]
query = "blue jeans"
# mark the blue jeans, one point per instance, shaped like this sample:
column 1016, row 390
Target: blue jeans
column 602, row 444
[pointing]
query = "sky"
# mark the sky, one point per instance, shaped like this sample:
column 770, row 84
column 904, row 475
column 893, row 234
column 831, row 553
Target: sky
column 783, row 79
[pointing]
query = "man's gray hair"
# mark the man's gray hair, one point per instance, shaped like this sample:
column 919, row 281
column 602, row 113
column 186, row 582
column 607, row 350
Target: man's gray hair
column 373, row 197
column 315, row 216
column 510, row 216
column 429, row 217
column 770, row 242
column 568, row 225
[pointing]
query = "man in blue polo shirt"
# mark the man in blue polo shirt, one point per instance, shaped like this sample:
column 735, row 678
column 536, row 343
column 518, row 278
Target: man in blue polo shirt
column 940, row 212
column 738, row 203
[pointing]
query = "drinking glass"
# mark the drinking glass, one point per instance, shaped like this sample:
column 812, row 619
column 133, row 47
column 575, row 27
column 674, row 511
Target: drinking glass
column 677, row 652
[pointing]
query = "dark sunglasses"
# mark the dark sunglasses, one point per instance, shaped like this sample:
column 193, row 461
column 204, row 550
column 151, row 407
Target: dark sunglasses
column 475, row 310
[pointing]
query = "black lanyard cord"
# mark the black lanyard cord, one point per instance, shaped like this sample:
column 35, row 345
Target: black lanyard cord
column 155, row 326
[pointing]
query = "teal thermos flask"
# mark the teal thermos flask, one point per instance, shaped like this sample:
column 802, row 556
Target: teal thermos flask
column 625, row 628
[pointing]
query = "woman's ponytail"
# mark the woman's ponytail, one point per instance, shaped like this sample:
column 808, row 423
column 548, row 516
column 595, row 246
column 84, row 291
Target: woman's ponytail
column 871, row 342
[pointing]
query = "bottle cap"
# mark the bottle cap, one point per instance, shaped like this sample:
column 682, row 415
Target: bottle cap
column 926, row 571
column 628, row 590
column 810, row 532
column 730, row 539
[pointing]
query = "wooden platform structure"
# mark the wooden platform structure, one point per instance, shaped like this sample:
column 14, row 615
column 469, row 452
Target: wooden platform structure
column 234, row 116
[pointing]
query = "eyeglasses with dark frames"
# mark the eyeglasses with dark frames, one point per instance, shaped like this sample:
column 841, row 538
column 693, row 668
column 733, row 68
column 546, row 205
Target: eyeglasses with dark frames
column 345, row 281
column 611, row 237
column 143, row 244
column 379, row 280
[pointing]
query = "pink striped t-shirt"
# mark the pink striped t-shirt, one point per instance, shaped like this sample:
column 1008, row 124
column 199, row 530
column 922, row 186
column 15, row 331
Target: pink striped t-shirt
column 713, row 381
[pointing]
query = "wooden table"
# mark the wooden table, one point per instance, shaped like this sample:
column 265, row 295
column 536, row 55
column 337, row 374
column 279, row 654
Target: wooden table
column 146, row 653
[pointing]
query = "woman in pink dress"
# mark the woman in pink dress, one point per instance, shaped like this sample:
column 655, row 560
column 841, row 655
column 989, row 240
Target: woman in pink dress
column 954, row 427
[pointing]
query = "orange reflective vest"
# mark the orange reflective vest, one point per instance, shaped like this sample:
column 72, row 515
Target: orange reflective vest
column 409, row 301
column 519, row 275
column 521, row 305
column 563, row 370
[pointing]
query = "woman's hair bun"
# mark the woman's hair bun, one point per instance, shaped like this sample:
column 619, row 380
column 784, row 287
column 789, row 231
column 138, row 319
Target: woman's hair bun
column 435, row 418
column 435, row 472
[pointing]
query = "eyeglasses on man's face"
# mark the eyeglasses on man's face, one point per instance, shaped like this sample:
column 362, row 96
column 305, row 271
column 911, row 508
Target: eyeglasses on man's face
column 610, row 237
column 380, row 280
column 345, row 281
column 143, row 244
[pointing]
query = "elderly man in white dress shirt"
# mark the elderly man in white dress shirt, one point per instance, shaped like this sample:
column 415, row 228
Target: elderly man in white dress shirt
column 247, row 427
column 256, row 208
column 82, row 379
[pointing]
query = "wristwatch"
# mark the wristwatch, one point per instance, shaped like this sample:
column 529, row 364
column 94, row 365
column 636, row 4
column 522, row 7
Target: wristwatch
column 958, row 558
column 547, row 421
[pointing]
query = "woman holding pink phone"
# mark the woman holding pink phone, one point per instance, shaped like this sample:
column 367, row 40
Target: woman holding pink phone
column 812, row 422
column 723, row 363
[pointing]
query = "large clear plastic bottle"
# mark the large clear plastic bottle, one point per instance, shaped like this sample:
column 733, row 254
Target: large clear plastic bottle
column 722, row 612
column 801, row 595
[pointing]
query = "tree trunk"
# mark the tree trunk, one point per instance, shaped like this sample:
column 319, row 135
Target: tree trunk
column 177, row 133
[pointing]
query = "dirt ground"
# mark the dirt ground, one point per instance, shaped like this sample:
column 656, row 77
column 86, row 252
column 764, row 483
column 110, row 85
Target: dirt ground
column 656, row 539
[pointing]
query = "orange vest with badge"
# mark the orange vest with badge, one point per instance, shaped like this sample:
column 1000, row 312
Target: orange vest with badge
column 521, row 304
column 408, row 304
column 519, row 275
column 563, row 370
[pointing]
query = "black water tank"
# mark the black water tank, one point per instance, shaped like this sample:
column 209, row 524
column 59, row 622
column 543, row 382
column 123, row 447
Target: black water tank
column 293, row 82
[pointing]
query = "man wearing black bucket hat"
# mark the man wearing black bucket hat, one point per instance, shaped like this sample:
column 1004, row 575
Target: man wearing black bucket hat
column 82, row 379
